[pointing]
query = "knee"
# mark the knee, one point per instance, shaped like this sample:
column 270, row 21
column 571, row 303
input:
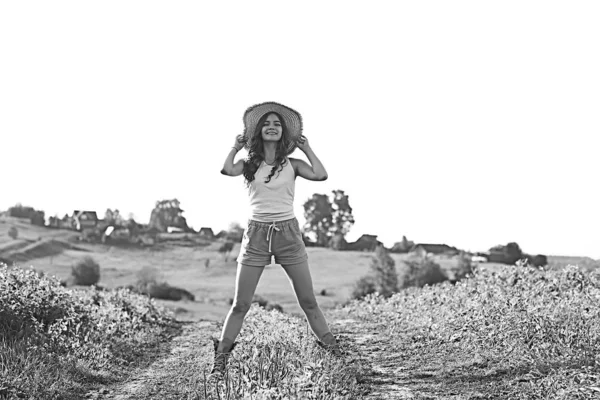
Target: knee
column 308, row 303
column 240, row 307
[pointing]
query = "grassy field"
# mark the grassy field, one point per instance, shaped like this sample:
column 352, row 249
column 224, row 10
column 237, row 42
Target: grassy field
column 185, row 267
column 506, row 332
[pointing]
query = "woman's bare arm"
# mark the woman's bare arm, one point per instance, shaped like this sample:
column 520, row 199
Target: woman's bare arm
column 313, row 172
column 229, row 168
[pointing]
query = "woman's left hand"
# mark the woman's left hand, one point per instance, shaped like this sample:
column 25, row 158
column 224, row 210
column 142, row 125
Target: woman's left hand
column 302, row 143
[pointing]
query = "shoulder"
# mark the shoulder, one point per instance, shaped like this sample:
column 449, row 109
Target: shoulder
column 294, row 162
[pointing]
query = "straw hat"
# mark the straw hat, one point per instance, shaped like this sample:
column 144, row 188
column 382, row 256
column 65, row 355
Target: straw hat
column 291, row 118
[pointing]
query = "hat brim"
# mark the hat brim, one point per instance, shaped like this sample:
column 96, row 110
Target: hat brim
column 291, row 118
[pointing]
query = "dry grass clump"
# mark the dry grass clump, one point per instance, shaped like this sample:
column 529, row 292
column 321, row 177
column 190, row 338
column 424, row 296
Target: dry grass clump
column 85, row 272
column 53, row 340
column 520, row 333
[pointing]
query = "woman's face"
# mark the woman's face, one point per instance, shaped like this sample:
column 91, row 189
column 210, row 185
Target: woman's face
column 272, row 130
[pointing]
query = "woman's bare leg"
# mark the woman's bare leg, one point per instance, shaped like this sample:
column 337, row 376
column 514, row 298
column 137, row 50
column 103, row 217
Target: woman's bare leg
column 299, row 276
column 245, row 285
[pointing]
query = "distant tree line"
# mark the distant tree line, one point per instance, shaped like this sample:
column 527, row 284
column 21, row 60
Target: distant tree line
column 36, row 217
column 511, row 253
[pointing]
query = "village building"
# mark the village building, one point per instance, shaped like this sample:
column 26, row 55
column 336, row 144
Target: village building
column 206, row 233
column 365, row 243
column 424, row 249
column 84, row 220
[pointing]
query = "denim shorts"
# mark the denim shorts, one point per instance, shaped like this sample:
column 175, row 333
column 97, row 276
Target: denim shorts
column 281, row 239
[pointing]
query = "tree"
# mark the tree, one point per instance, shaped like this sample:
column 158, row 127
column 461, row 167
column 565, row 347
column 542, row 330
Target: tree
column 317, row 212
column 113, row 217
column 235, row 232
column 512, row 252
column 402, row 247
column 509, row 254
column 327, row 217
column 341, row 213
column 36, row 217
column 168, row 213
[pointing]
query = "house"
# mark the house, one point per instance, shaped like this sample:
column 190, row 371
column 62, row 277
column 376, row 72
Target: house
column 431, row 248
column 206, row 233
column 365, row 243
column 84, row 220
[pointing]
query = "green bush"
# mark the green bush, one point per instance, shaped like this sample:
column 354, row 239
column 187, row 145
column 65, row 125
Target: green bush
column 381, row 279
column 263, row 303
column 35, row 217
column 423, row 271
column 461, row 269
column 147, row 276
column 46, row 329
column 363, row 287
column 86, row 272
column 383, row 269
column 13, row 232
column 165, row 291
column 539, row 260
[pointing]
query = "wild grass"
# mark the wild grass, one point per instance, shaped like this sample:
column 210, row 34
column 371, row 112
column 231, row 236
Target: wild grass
column 277, row 358
column 55, row 342
column 519, row 333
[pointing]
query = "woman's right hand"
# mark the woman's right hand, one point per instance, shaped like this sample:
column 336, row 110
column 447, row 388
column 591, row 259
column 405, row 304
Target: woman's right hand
column 240, row 142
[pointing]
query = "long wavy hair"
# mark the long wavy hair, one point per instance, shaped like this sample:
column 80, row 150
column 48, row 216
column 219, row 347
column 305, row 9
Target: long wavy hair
column 256, row 153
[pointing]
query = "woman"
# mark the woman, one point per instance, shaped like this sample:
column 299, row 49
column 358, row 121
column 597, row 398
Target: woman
column 272, row 132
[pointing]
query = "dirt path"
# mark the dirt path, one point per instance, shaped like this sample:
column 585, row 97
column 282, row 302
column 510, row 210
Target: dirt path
column 386, row 375
column 157, row 381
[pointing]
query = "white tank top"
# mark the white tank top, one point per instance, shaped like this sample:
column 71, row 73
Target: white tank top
column 273, row 201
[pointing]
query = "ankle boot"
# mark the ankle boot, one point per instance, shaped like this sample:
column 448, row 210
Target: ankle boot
column 221, row 357
column 333, row 348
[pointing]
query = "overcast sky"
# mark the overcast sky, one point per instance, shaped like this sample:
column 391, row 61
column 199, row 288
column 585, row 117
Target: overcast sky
column 469, row 123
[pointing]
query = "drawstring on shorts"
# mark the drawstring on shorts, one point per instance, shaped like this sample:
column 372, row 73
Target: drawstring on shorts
column 272, row 228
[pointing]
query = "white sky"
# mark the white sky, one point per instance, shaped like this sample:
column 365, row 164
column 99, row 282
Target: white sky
column 467, row 122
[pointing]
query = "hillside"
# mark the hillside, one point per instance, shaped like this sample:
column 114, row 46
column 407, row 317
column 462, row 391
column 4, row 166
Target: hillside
column 202, row 270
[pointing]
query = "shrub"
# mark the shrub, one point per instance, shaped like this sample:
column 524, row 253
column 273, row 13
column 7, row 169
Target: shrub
column 462, row 268
column 45, row 330
column 539, row 260
column 382, row 278
column 13, row 232
column 262, row 303
column 274, row 306
column 165, row 291
column 86, row 272
column 423, row 271
column 226, row 249
column 147, row 276
column 383, row 268
column 35, row 217
column 363, row 287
